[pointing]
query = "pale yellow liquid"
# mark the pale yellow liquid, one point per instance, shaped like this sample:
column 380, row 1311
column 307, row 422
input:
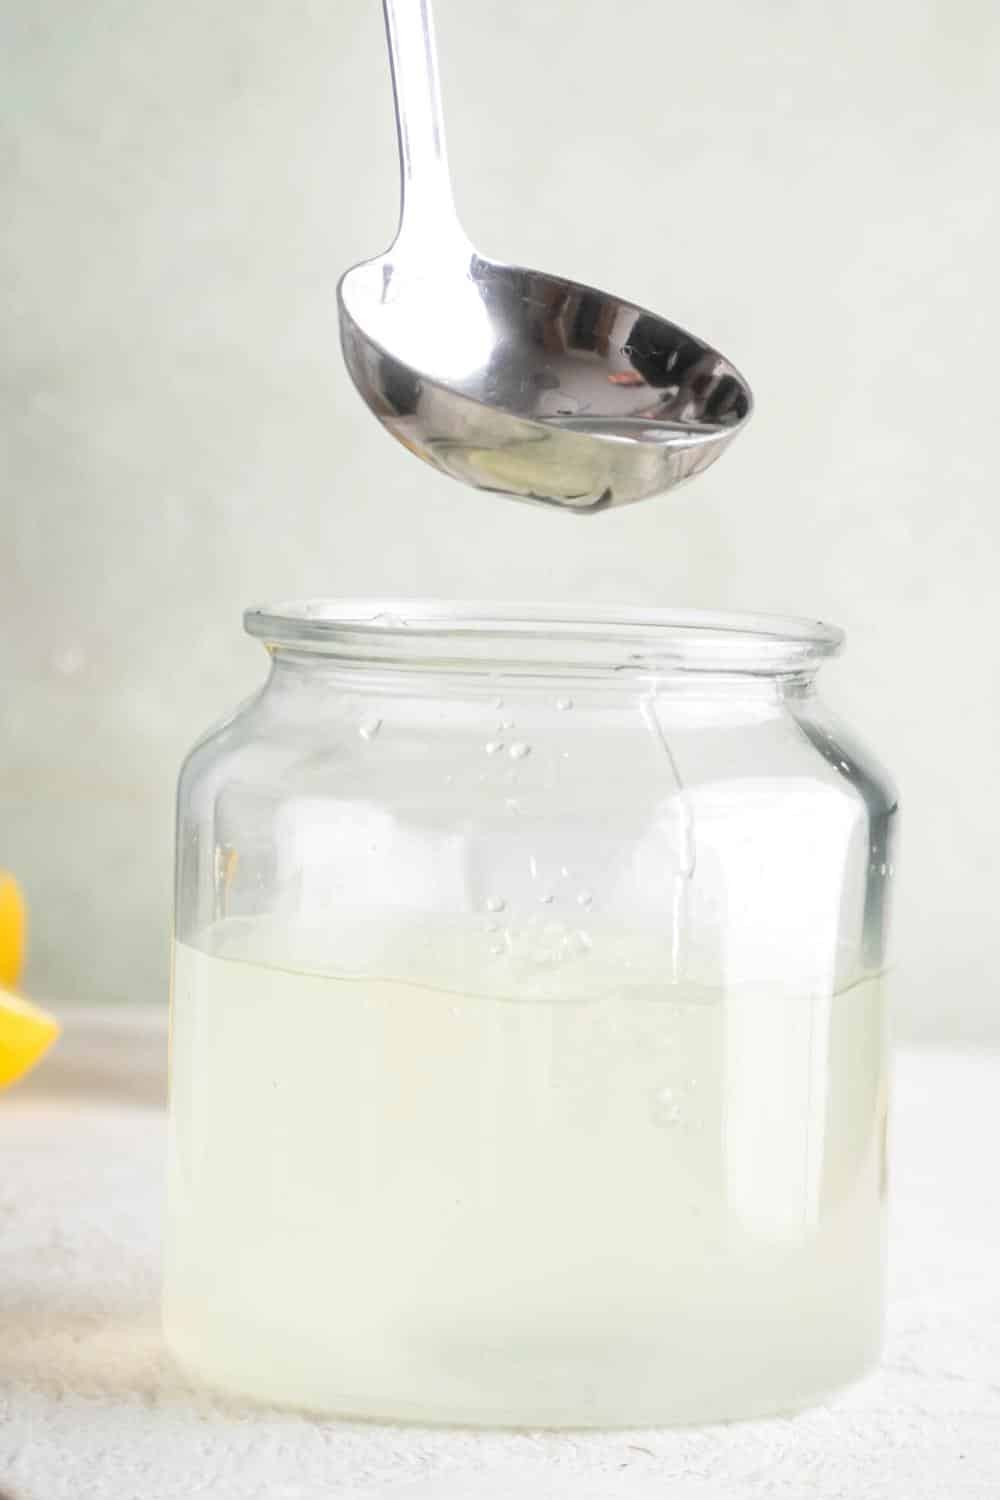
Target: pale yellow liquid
column 644, row 1205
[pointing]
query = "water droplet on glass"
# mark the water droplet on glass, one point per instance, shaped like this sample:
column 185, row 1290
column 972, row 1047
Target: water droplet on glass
column 498, row 703
column 519, row 750
column 495, row 903
column 546, row 898
column 492, row 746
column 512, row 804
column 564, row 871
column 506, row 723
column 585, row 898
column 70, row 659
column 563, row 704
column 493, row 927
column 370, row 728
column 497, row 949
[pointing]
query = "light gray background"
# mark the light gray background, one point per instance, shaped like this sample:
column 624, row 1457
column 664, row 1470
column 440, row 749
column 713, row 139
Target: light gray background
column 811, row 187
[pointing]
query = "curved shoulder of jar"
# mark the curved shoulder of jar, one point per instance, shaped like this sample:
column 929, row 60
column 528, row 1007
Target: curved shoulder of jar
column 846, row 755
column 224, row 743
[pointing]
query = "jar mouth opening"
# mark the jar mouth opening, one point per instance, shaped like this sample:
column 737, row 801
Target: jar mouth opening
column 543, row 637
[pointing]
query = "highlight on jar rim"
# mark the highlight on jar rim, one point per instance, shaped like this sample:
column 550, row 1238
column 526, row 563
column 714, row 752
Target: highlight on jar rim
column 569, row 634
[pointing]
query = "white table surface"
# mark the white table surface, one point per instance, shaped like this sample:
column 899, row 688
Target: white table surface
column 91, row 1409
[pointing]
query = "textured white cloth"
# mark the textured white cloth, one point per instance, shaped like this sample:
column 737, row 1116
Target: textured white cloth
column 91, row 1409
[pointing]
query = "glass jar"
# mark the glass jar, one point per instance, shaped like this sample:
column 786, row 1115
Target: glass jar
column 528, row 1036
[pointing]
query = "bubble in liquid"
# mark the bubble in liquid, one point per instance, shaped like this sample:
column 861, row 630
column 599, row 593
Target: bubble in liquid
column 492, row 747
column 519, row 750
column 569, row 945
column 563, row 704
column 664, row 1108
column 370, row 728
column 497, row 949
column 546, row 898
column 493, row 927
column 512, row 804
column 498, row 703
column 506, row 723
column 585, row 898
column 495, row 903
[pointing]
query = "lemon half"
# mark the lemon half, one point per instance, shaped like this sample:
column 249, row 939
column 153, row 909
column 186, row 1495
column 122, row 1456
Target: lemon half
column 13, row 922
column 26, row 1034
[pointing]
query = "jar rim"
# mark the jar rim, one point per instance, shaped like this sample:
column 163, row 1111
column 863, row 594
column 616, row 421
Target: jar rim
column 508, row 636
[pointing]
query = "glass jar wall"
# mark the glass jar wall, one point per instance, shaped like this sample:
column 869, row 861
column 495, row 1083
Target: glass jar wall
column 528, row 1034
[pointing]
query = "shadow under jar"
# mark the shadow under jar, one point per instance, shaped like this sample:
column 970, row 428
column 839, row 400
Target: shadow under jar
column 528, row 1035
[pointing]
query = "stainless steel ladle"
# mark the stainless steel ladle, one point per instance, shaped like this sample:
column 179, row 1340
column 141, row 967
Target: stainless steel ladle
column 510, row 379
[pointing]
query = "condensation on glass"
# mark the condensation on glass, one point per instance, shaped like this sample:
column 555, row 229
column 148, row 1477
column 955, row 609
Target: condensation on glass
column 528, row 1031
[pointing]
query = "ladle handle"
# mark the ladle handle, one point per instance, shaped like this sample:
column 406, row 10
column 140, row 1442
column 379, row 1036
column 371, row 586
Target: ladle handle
column 427, row 216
